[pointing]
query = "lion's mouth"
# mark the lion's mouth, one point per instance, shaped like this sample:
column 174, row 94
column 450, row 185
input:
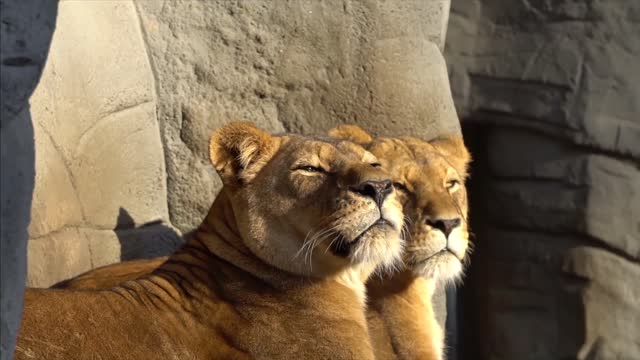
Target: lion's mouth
column 445, row 252
column 341, row 247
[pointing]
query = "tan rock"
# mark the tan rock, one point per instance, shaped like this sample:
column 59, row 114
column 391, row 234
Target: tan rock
column 98, row 148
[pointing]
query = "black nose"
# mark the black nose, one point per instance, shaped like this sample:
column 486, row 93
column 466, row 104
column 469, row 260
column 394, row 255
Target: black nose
column 377, row 190
column 445, row 225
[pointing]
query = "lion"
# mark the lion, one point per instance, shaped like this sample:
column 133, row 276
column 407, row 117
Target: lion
column 430, row 176
column 275, row 271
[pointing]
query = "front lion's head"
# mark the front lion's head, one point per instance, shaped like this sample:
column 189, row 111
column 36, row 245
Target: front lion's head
column 308, row 205
column 430, row 179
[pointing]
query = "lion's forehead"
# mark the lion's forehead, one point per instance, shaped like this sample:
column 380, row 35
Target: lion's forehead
column 333, row 153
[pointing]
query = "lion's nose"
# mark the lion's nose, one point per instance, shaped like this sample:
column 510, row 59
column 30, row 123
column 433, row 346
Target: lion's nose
column 444, row 225
column 377, row 190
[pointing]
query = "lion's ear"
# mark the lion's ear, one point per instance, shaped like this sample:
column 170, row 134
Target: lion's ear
column 239, row 150
column 453, row 149
column 352, row 133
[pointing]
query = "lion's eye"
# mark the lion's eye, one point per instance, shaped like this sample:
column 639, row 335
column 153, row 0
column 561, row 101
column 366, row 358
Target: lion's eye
column 401, row 187
column 376, row 165
column 453, row 184
column 309, row 168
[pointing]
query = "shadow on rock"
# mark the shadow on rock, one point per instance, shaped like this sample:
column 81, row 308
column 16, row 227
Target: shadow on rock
column 147, row 241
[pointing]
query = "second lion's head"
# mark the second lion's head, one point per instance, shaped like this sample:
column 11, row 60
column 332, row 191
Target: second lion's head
column 430, row 179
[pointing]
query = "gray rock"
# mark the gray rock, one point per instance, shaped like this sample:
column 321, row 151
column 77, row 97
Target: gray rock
column 25, row 34
column 570, row 70
column 560, row 188
column 611, row 302
column 550, row 92
column 550, row 296
column 17, row 173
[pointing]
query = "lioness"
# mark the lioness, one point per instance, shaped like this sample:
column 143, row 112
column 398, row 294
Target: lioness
column 275, row 270
column 430, row 176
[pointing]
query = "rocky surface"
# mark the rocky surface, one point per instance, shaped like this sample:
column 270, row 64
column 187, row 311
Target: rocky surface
column 99, row 158
column 550, row 92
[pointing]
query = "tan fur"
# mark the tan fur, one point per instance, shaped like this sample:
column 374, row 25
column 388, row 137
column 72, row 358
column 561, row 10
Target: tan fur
column 241, row 287
column 108, row 276
column 351, row 133
column 400, row 314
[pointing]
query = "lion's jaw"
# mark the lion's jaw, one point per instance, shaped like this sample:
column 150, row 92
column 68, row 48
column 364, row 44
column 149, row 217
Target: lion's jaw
column 303, row 208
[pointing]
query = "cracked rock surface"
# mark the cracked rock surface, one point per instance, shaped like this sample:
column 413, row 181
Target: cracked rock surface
column 98, row 155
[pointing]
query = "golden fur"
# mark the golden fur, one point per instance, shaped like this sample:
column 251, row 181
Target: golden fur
column 108, row 276
column 275, row 270
column 430, row 177
column 400, row 315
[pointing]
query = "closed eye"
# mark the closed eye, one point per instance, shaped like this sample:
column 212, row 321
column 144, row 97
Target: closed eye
column 376, row 165
column 310, row 168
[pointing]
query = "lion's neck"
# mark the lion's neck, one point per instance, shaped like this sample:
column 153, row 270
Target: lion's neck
column 218, row 237
column 218, row 243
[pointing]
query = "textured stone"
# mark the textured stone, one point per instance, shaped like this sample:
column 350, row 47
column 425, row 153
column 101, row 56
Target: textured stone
column 551, row 296
column 415, row 18
column 559, row 188
column 549, row 90
column 533, row 323
column 121, row 166
column 52, row 210
column 304, row 66
column 99, row 157
column 59, row 255
column 97, row 134
column 74, row 250
column 26, row 28
column 570, row 71
column 611, row 302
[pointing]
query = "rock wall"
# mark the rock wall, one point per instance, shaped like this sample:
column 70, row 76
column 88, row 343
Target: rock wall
column 550, row 99
column 100, row 170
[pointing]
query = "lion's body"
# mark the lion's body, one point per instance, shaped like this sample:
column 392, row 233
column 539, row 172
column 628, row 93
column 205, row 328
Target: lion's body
column 401, row 319
column 108, row 276
column 226, row 293
column 210, row 308
column 400, row 316
column 400, row 313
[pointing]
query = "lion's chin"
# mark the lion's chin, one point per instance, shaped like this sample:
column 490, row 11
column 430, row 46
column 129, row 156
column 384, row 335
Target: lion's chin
column 380, row 245
column 442, row 265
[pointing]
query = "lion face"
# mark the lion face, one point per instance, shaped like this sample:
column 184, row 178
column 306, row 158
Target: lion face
column 307, row 205
column 429, row 178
